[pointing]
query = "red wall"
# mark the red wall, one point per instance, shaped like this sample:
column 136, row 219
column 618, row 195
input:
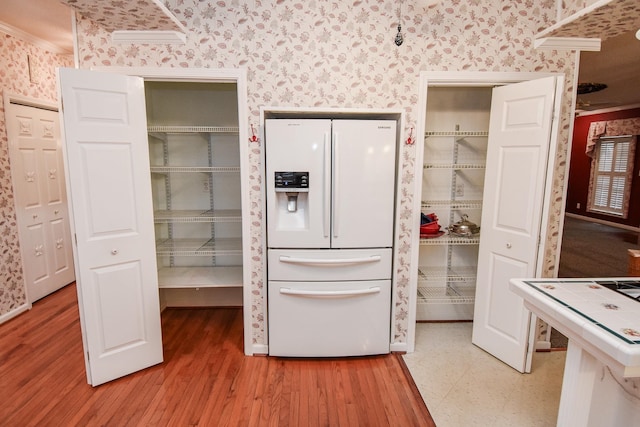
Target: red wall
column 580, row 169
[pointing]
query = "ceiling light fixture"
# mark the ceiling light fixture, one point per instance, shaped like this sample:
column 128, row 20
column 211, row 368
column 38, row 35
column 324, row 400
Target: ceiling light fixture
column 590, row 87
column 638, row 34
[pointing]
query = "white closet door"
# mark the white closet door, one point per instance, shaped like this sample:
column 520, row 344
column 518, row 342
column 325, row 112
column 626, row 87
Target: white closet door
column 520, row 132
column 110, row 192
column 41, row 199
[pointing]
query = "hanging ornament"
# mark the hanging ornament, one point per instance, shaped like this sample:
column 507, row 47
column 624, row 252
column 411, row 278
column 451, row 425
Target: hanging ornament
column 399, row 39
column 254, row 137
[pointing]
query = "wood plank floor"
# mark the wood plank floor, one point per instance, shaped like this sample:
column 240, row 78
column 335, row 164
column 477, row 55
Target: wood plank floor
column 205, row 379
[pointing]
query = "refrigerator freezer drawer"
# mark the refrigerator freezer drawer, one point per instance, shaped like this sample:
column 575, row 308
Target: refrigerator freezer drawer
column 329, row 319
column 326, row 265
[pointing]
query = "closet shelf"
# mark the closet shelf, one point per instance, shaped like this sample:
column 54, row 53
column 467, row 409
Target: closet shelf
column 165, row 216
column 454, row 166
column 460, row 133
column 449, row 294
column 200, row 169
column 453, row 204
column 450, row 240
column 451, row 274
column 200, row 277
column 199, row 247
column 192, row 129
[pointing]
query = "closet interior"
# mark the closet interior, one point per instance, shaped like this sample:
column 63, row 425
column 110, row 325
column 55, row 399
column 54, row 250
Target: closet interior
column 196, row 186
column 455, row 150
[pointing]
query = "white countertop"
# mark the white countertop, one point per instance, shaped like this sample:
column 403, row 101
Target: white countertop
column 605, row 322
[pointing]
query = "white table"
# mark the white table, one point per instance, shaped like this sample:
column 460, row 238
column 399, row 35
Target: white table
column 601, row 383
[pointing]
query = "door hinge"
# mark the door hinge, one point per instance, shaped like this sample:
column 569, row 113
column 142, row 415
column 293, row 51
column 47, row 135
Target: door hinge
column 88, row 357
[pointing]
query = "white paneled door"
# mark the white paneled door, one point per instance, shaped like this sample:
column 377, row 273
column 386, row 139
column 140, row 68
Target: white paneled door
column 41, row 200
column 520, row 133
column 110, row 191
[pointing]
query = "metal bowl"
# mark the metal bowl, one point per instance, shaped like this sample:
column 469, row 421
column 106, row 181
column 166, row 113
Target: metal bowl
column 464, row 227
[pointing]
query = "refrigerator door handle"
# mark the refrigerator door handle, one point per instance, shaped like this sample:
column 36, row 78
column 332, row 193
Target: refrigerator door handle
column 330, row 261
column 326, row 214
column 335, row 185
column 324, row 294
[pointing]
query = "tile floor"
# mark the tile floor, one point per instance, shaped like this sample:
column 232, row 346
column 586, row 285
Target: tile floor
column 465, row 386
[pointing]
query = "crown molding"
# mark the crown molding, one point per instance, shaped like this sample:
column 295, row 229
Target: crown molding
column 148, row 37
column 568, row 43
column 30, row 38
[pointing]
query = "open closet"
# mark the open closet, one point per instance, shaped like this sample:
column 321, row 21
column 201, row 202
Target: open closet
column 195, row 179
column 487, row 161
column 455, row 149
column 159, row 209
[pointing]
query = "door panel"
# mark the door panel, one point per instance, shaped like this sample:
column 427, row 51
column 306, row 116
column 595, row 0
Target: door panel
column 53, row 167
column 29, row 190
column 110, row 189
column 109, row 212
column 35, row 251
column 41, row 205
column 119, row 290
column 60, row 231
column 501, row 314
column 363, row 183
column 519, row 139
column 299, row 145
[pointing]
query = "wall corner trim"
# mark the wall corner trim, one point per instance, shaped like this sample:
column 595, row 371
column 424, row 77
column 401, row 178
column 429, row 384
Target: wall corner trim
column 568, row 43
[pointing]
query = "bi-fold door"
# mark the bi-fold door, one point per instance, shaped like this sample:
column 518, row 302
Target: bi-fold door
column 108, row 165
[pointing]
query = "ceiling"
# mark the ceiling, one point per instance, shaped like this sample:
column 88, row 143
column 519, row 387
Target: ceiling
column 618, row 66
column 48, row 23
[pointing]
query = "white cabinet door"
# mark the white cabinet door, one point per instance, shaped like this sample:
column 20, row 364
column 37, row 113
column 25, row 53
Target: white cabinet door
column 41, row 198
column 364, row 159
column 520, row 132
column 110, row 192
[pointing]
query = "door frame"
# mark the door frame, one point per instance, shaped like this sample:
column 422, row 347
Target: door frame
column 222, row 75
column 467, row 79
column 12, row 98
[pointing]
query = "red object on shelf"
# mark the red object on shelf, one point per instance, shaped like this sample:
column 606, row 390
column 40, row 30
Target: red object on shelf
column 430, row 228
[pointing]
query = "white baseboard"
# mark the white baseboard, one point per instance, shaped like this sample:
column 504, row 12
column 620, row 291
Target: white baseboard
column 399, row 347
column 543, row 345
column 601, row 221
column 13, row 313
column 259, row 350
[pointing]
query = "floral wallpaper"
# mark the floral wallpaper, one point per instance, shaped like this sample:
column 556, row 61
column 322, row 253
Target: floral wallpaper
column 127, row 15
column 29, row 71
column 612, row 19
column 330, row 53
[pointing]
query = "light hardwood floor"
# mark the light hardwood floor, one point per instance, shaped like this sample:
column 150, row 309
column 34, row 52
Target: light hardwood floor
column 205, row 379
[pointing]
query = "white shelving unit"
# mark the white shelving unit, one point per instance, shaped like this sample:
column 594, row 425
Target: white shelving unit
column 455, row 164
column 192, row 252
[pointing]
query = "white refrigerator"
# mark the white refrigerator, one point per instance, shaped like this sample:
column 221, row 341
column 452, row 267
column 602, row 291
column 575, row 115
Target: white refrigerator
column 330, row 221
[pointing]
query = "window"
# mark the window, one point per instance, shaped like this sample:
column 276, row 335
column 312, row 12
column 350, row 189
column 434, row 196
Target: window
column 611, row 175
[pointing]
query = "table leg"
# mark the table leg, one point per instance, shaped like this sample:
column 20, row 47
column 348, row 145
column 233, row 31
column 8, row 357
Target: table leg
column 577, row 387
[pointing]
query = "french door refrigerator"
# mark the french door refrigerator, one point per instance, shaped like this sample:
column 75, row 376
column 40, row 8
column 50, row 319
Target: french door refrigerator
column 330, row 216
